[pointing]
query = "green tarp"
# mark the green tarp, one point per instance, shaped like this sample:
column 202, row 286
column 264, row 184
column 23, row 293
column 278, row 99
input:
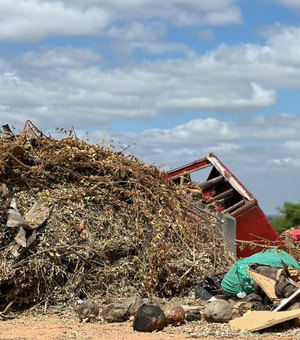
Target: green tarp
column 237, row 280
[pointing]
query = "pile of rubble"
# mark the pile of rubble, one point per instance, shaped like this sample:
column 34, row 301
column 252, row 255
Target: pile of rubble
column 81, row 220
column 261, row 291
column 268, row 286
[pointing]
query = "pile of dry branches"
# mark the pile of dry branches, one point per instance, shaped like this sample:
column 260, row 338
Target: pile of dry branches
column 116, row 226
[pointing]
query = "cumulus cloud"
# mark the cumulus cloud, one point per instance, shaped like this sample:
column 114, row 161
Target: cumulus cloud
column 68, row 83
column 62, row 57
column 39, row 19
column 35, row 20
column 98, row 95
column 275, row 127
column 284, row 44
column 211, row 134
column 177, row 12
column 136, row 31
column 199, row 131
column 146, row 37
column 257, row 98
column 225, row 17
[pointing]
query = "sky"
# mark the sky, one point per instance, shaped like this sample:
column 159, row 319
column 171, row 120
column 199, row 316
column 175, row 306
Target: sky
column 168, row 81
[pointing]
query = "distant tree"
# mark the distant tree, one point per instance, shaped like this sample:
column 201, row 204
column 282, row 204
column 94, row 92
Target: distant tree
column 289, row 217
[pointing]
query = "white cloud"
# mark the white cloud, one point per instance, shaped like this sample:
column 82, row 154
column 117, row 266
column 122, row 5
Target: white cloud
column 195, row 139
column 62, row 57
column 292, row 145
column 261, row 151
column 225, row 17
column 205, row 131
column 286, row 162
column 178, row 12
column 281, row 161
column 70, row 85
column 234, row 102
column 195, row 132
column 136, row 31
column 223, row 149
column 289, row 3
column 32, row 20
column 284, row 43
column 146, row 37
column 168, row 158
column 276, row 127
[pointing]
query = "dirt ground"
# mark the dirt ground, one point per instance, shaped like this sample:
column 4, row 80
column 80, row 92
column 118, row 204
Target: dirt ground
column 57, row 328
column 67, row 327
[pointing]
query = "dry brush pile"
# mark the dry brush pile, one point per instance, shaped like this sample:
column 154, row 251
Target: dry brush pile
column 116, row 226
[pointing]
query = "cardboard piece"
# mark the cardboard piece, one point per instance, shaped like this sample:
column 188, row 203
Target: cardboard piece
column 255, row 320
column 266, row 284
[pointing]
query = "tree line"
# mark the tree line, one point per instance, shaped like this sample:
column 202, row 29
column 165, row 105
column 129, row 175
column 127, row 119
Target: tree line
column 289, row 217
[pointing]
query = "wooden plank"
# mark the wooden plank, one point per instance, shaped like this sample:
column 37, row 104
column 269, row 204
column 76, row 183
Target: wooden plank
column 266, row 284
column 255, row 320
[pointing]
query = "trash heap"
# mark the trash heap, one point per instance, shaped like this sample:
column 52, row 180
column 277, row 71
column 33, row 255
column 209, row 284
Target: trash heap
column 261, row 291
column 80, row 220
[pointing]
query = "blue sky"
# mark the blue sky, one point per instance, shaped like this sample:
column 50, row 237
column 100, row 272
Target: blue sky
column 173, row 80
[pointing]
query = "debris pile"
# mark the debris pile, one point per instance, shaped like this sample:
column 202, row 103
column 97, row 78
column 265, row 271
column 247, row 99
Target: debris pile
column 264, row 291
column 79, row 220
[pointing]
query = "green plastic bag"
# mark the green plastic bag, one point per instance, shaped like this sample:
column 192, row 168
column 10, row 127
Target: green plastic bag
column 237, row 280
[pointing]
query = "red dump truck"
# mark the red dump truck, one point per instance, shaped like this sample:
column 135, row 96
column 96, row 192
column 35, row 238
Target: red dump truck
column 225, row 194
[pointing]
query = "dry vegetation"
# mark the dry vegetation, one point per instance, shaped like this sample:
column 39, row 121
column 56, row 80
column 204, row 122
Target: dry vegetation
column 117, row 226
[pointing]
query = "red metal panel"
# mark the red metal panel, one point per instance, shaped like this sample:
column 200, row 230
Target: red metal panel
column 253, row 225
column 197, row 165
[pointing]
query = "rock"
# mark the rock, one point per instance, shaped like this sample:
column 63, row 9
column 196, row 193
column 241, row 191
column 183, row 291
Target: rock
column 240, row 308
column 115, row 312
column 235, row 313
column 133, row 303
column 283, row 288
column 244, row 307
column 152, row 301
column 88, row 310
column 218, row 311
column 253, row 297
column 259, row 306
column 232, row 302
column 149, row 318
column 193, row 316
column 174, row 313
column 250, row 302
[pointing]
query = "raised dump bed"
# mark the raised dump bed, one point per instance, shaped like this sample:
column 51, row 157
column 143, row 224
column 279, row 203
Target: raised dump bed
column 224, row 193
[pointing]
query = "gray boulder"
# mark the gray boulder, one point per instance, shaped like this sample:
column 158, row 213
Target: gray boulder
column 133, row 303
column 88, row 310
column 218, row 311
column 115, row 312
